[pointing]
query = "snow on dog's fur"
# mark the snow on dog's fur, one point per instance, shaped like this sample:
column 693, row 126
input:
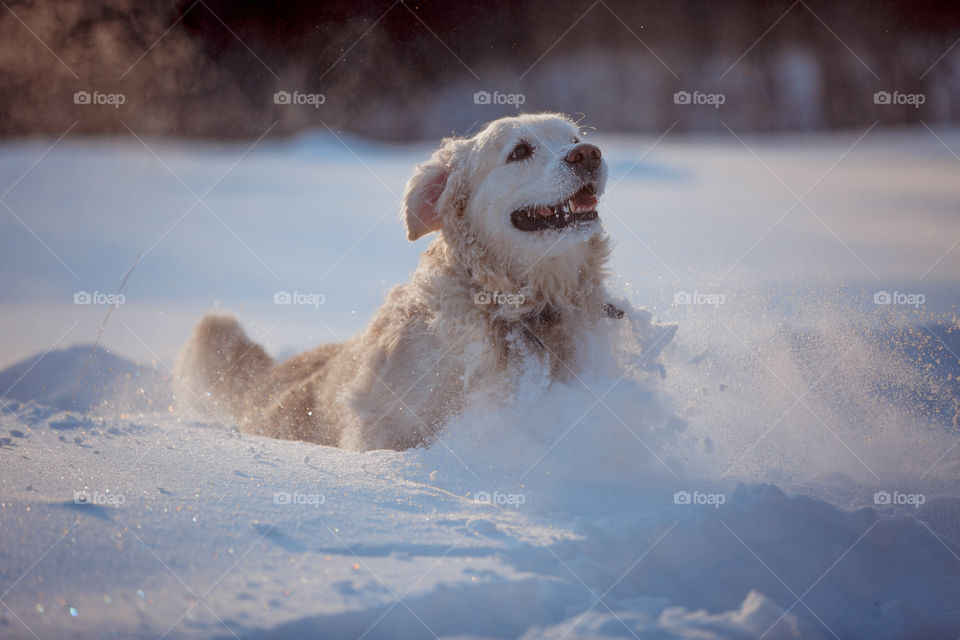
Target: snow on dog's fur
column 514, row 279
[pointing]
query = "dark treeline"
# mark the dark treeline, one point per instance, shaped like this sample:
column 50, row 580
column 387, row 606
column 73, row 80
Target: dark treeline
column 403, row 71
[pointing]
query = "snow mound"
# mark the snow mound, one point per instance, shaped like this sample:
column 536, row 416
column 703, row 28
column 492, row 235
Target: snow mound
column 85, row 379
column 579, row 512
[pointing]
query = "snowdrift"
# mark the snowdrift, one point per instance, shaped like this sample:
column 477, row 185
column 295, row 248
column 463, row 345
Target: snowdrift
column 587, row 510
column 795, row 475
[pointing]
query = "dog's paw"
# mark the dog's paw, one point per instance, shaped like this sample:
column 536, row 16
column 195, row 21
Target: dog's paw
column 610, row 310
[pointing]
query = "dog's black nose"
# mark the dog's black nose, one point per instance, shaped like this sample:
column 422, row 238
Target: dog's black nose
column 585, row 156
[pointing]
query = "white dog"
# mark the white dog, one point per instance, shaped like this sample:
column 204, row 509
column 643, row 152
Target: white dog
column 513, row 280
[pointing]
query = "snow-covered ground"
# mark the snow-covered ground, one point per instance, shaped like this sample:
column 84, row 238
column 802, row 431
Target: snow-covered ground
column 794, row 475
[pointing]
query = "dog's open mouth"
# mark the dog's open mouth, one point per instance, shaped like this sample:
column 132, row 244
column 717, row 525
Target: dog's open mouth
column 578, row 209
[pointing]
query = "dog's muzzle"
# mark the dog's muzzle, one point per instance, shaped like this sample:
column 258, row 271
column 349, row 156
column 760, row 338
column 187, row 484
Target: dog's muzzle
column 577, row 210
column 585, row 161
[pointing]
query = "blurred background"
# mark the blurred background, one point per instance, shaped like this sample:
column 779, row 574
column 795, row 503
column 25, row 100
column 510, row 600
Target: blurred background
column 404, row 71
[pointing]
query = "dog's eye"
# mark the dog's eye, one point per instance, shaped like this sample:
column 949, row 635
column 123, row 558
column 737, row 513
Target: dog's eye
column 520, row 152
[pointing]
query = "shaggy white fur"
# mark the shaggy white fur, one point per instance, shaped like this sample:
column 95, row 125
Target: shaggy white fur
column 513, row 280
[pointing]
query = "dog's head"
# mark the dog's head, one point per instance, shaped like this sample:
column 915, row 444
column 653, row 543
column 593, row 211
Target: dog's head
column 522, row 194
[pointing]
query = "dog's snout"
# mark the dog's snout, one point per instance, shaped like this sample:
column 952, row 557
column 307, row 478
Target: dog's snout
column 585, row 156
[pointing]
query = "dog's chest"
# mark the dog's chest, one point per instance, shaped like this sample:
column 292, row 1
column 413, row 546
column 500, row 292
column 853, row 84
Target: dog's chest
column 549, row 336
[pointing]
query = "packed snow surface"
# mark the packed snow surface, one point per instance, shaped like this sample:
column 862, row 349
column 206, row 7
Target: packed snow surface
column 794, row 475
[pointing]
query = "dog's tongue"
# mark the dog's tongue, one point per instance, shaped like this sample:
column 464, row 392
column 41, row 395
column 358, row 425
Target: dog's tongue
column 544, row 212
column 585, row 198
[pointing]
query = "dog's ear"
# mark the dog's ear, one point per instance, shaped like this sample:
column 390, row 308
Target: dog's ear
column 423, row 198
column 420, row 199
